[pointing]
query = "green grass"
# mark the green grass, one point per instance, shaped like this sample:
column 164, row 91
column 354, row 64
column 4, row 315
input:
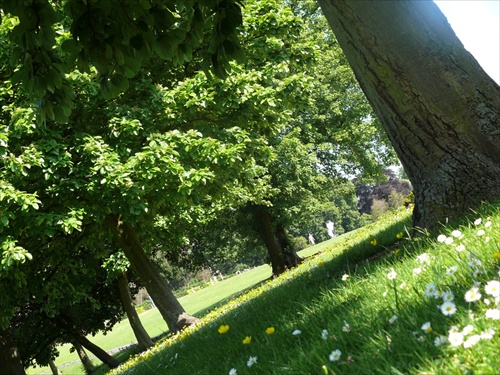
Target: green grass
column 356, row 311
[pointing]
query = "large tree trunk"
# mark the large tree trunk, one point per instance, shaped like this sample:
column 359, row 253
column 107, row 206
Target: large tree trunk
column 276, row 242
column 10, row 360
column 140, row 333
column 104, row 357
column 82, row 354
column 173, row 313
column 438, row 107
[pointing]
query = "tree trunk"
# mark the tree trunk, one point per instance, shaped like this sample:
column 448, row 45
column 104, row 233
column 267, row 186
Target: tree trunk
column 438, row 107
column 53, row 367
column 173, row 313
column 10, row 360
column 104, row 357
column 82, row 354
column 140, row 333
column 276, row 242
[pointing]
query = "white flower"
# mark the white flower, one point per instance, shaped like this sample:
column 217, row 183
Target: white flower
column 455, row 338
column 467, row 329
column 460, row 247
column 472, row 295
column 492, row 288
column 449, row 240
column 417, row 271
column 426, row 327
column 393, row 319
column 487, row 224
column 477, row 221
column 345, row 277
column 476, row 273
column 448, row 308
column 456, row 233
column 296, row 332
column 453, row 329
column 440, row 340
column 430, row 290
column 441, row 238
column 233, row 372
column 448, row 296
column 471, row 341
column 424, row 259
column 438, row 294
column 335, row 355
column 346, row 327
column 474, row 263
column 488, row 334
column 451, row 271
column 493, row 314
column 486, row 301
column 392, row 275
column 251, row 361
column 324, row 334
column 480, row 232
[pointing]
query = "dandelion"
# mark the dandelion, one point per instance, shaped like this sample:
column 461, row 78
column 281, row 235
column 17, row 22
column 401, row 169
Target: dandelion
column 392, row 275
column 480, row 232
column 417, row 271
column 296, row 332
column 251, row 361
column 324, row 334
column 456, row 233
column 451, row 271
column 492, row 288
column 223, row 329
column 426, row 327
column 247, row 340
column 399, row 235
column 440, row 340
column 441, row 238
column 460, row 247
column 471, row 341
column 335, row 355
column 430, row 290
column 233, row 372
column 393, row 319
column 472, row 295
column 345, row 277
column 448, row 308
column 455, row 338
column 477, row 221
column 270, row 330
column 496, row 255
column 493, row 314
column 374, row 242
column 448, row 296
column 346, row 327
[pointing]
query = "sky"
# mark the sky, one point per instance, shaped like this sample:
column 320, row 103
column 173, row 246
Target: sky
column 477, row 25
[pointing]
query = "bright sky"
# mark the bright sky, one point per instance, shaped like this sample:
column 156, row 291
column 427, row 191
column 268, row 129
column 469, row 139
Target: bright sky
column 477, row 24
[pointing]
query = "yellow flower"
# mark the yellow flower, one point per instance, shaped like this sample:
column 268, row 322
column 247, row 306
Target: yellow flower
column 496, row 255
column 399, row 235
column 270, row 330
column 247, row 340
column 223, row 329
column 397, row 251
column 374, row 242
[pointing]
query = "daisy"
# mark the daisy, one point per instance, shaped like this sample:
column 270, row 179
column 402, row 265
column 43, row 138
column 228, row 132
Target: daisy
column 480, row 232
column 488, row 334
column 471, row 341
column 441, row 238
column 455, row 338
column 449, row 240
column 345, row 277
column 417, row 271
column 424, row 259
column 456, row 233
column 448, row 308
column 474, row 263
column 460, row 247
column 233, row 372
column 296, row 332
column 467, row 329
column 477, row 221
column 493, row 314
column 335, row 355
column 324, row 334
column 426, row 327
column 393, row 319
column 451, row 271
column 346, row 327
column 430, row 290
column 251, row 361
column 487, row 224
column 448, row 296
column 392, row 275
column 492, row 288
column 440, row 340
column 472, row 295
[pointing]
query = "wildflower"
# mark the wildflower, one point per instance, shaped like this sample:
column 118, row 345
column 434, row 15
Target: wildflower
column 496, row 255
column 251, row 361
column 460, row 248
column 456, row 233
column 399, row 235
column 440, row 340
column 270, row 330
column 335, row 355
column 449, row 240
column 421, row 338
column 477, row 221
column 424, row 259
column 223, row 329
column 345, row 277
column 324, row 334
column 448, row 296
column 397, row 251
column 346, row 327
column 430, row 290
column 467, row 329
column 296, row 332
column 487, row 224
column 247, row 340
column 471, row 341
column 441, row 238
column 455, row 338
column 448, row 308
column 472, row 295
column 417, row 271
column 474, row 263
column 393, row 319
column 392, row 275
column 438, row 294
column 486, row 301
column 426, row 327
column 488, row 334
column 451, row 271
column 492, row 288
column 374, row 242
column 233, row 372
column 476, row 273
column 480, row 232
column 493, row 314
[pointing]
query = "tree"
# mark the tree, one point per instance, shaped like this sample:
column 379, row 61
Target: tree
column 438, row 107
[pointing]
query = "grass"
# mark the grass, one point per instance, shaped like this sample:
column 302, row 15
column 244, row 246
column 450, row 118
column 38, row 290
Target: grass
column 355, row 312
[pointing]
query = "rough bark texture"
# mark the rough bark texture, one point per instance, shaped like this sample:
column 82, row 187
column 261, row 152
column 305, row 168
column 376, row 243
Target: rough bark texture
column 10, row 360
column 171, row 310
column 82, row 354
column 104, row 357
column 140, row 333
column 438, row 107
column 276, row 242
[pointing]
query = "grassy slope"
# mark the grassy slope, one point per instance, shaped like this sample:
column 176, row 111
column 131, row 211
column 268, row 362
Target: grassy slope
column 356, row 313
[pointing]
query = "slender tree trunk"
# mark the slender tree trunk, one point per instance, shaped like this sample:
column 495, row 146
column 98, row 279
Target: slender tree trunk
column 53, row 367
column 104, row 357
column 10, row 360
column 440, row 110
column 173, row 313
column 82, row 354
column 140, row 333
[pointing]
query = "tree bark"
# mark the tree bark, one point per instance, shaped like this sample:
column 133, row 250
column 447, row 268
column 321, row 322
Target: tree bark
column 171, row 310
column 140, row 333
column 53, row 367
column 104, row 357
column 10, row 359
column 82, row 354
column 438, row 107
